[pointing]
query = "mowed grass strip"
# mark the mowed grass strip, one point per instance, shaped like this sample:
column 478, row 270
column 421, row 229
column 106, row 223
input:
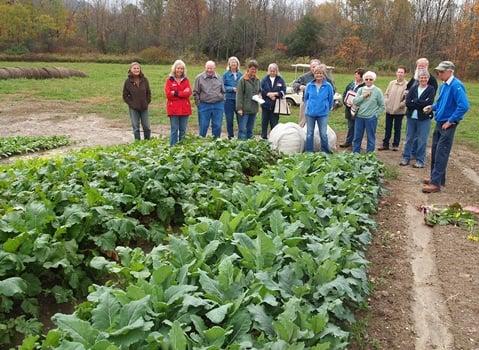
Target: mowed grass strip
column 101, row 93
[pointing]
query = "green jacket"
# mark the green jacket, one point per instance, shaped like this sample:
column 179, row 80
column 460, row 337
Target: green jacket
column 245, row 90
column 371, row 106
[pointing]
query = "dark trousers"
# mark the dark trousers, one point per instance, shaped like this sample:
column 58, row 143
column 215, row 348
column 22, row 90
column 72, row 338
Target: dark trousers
column 268, row 118
column 396, row 120
column 350, row 135
column 350, row 119
column 441, row 148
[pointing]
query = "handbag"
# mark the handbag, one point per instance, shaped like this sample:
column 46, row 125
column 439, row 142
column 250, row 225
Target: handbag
column 281, row 107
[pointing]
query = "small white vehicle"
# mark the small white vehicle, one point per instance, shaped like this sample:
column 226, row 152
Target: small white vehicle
column 293, row 98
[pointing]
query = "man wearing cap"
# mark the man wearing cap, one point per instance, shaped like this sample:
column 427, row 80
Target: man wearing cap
column 450, row 107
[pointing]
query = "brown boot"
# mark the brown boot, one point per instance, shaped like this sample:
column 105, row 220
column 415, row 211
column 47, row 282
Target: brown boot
column 431, row 188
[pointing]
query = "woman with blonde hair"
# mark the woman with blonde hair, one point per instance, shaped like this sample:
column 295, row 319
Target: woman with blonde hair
column 178, row 106
column 137, row 95
column 230, row 80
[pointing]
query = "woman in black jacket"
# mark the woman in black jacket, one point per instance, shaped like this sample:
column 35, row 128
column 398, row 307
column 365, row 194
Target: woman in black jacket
column 418, row 122
column 137, row 95
column 273, row 87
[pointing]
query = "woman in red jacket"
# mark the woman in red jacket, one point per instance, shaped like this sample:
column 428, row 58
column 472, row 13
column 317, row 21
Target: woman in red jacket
column 178, row 107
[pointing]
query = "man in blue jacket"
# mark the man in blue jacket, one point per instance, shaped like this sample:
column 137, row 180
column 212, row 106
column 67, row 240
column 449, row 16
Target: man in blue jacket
column 450, row 107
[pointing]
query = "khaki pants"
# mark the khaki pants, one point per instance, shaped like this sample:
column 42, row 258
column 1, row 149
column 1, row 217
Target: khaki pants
column 302, row 117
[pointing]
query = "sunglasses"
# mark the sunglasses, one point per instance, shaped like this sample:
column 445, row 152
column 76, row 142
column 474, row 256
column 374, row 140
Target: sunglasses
column 368, row 79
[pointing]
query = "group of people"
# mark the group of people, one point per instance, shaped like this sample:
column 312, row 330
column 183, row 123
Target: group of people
column 239, row 95
column 415, row 100
column 232, row 94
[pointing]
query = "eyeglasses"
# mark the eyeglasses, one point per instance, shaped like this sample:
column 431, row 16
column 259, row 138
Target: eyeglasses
column 368, row 80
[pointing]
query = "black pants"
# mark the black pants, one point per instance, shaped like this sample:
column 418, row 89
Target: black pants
column 268, row 118
column 391, row 119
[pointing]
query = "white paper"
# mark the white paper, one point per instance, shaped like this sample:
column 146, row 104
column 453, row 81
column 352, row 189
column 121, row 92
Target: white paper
column 258, row 98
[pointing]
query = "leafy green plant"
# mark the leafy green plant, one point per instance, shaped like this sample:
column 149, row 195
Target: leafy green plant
column 13, row 145
column 451, row 215
column 282, row 267
column 57, row 214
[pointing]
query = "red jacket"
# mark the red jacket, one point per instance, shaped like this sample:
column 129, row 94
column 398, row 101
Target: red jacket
column 178, row 97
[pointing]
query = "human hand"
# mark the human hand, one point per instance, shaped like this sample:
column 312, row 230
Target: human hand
column 302, row 87
column 172, row 93
column 240, row 112
column 447, row 125
column 427, row 109
column 234, row 89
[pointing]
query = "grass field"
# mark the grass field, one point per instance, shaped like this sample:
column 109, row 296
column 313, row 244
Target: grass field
column 101, row 93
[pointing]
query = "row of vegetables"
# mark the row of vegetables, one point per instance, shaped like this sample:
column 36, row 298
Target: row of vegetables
column 247, row 252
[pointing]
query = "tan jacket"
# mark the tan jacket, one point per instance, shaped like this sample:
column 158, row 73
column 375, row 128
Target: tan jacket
column 395, row 97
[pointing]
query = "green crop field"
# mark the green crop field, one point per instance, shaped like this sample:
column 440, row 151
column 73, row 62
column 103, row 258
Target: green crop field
column 101, row 93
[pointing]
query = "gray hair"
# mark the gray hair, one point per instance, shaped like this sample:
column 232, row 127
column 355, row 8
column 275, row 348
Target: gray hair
column 423, row 73
column 275, row 66
column 176, row 64
column 210, row 62
column 231, row 60
column 370, row 74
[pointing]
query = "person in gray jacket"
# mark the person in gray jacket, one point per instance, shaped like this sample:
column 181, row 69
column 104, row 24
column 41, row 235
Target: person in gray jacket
column 209, row 94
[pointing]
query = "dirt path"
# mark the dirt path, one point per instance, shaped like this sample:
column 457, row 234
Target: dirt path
column 442, row 278
column 425, row 281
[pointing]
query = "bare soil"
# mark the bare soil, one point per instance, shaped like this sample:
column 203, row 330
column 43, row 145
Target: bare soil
column 425, row 281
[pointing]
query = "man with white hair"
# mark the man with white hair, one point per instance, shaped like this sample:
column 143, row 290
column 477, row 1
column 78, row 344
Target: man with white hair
column 209, row 94
column 421, row 65
column 450, row 108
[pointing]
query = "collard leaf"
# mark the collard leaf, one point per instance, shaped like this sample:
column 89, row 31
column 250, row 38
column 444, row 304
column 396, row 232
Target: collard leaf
column 134, row 311
column 177, row 337
column 218, row 314
column 80, row 331
column 106, row 312
column 241, row 322
column 11, row 286
column 263, row 321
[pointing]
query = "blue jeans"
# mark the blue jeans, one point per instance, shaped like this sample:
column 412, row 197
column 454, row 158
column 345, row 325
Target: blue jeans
column 365, row 124
column 417, row 133
column 268, row 117
column 323, row 133
column 210, row 112
column 441, row 148
column 230, row 111
column 178, row 126
column 140, row 116
column 246, row 126
column 391, row 119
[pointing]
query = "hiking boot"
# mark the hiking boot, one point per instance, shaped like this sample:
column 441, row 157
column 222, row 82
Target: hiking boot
column 431, row 188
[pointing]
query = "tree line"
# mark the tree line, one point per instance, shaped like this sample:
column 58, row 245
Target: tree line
column 345, row 33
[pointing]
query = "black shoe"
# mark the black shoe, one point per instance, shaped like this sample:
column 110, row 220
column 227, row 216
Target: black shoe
column 383, row 148
column 345, row 145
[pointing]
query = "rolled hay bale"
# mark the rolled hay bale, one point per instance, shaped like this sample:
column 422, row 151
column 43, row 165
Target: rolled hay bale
column 4, row 74
column 27, row 73
column 45, row 73
column 14, row 72
column 77, row 73
column 36, row 73
column 64, row 72
column 54, row 73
